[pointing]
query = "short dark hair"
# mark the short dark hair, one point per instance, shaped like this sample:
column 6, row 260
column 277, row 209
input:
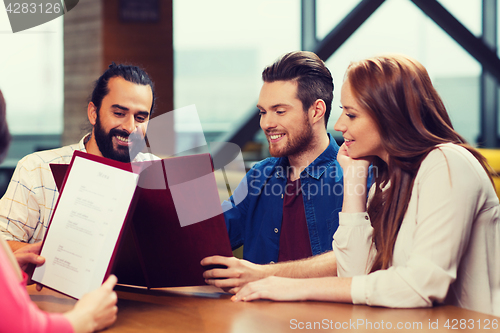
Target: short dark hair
column 314, row 80
column 130, row 73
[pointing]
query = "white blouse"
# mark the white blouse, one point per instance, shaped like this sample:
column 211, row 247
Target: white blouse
column 448, row 246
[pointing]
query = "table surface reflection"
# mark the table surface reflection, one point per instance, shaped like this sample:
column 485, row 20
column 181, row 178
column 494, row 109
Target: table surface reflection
column 209, row 309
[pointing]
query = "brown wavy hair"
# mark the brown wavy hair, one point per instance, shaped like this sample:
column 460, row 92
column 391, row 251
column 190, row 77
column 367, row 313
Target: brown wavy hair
column 412, row 119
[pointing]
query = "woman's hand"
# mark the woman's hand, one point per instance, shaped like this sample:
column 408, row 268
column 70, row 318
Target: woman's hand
column 349, row 164
column 273, row 288
column 355, row 172
column 95, row 310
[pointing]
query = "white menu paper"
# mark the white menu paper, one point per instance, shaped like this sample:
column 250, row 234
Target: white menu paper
column 85, row 227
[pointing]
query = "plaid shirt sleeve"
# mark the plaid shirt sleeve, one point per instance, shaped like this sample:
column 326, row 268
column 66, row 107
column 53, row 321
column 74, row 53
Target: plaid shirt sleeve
column 22, row 207
column 28, row 203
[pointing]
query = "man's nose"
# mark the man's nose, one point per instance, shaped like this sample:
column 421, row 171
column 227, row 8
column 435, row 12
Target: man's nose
column 129, row 124
column 267, row 122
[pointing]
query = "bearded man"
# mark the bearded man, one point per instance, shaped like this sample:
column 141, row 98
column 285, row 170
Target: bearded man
column 119, row 111
column 291, row 209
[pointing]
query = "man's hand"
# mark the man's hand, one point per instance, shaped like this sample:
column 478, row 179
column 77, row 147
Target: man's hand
column 29, row 254
column 27, row 257
column 238, row 273
column 355, row 172
column 16, row 245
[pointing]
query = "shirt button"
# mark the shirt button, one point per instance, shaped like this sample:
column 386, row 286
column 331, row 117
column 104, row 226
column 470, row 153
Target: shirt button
column 275, row 230
column 366, row 217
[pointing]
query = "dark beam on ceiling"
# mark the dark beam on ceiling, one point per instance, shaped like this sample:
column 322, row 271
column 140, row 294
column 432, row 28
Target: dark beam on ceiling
column 346, row 28
column 472, row 44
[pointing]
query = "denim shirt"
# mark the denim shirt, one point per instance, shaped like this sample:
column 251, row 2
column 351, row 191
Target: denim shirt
column 255, row 220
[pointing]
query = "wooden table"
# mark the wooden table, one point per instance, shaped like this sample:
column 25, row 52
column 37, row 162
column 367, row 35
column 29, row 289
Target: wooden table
column 208, row 309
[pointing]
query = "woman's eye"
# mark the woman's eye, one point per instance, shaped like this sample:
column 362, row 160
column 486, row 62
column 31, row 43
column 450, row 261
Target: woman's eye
column 351, row 116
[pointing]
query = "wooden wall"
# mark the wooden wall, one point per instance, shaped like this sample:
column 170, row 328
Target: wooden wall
column 94, row 36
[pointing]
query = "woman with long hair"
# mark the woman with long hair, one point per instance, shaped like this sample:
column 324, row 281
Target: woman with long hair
column 428, row 231
column 94, row 311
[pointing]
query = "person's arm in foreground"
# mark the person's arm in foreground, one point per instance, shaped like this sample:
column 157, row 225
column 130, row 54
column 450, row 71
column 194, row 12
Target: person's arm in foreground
column 94, row 311
column 310, row 283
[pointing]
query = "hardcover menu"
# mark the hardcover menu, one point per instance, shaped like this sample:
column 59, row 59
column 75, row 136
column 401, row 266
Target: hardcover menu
column 149, row 223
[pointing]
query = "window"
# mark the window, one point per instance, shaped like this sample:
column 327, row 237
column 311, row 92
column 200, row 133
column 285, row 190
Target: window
column 401, row 27
column 220, row 50
column 31, row 67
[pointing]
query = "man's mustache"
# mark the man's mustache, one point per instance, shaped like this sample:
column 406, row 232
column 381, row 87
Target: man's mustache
column 133, row 136
column 117, row 132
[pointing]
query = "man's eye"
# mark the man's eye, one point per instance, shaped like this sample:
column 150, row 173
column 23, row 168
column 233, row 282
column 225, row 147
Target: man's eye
column 141, row 119
column 261, row 113
column 118, row 114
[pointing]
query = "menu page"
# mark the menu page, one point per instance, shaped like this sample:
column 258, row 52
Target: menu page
column 85, row 227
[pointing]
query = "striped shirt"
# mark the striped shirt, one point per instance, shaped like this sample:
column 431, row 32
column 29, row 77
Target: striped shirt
column 27, row 206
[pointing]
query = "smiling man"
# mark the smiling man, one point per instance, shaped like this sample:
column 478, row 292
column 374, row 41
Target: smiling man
column 291, row 209
column 119, row 111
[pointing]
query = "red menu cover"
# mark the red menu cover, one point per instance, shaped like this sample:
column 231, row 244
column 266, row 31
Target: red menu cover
column 97, row 198
column 177, row 220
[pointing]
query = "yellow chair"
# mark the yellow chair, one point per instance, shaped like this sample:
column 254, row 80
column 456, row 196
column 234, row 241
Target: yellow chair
column 493, row 158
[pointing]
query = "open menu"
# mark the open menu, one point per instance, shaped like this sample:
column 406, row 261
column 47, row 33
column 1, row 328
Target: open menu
column 149, row 223
column 85, row 227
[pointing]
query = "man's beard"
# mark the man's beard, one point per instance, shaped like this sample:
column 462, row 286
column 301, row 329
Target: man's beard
column 294, row 146
column 122, row 153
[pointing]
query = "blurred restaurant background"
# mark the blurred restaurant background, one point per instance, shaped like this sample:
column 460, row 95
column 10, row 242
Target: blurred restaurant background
column 211, row 54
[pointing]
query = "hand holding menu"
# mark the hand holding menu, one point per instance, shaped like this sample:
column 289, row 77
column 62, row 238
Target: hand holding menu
column 154, row 238
column 85, row 227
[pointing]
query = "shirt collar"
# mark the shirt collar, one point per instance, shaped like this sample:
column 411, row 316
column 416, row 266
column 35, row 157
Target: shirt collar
column 83, row 141
column 323, row 161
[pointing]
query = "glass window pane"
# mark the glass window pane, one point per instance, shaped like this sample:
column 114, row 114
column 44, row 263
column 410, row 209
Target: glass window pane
column 220, row 50
column 467, row 12
column 400, row 27
column 329, row 13
column 31, row 67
